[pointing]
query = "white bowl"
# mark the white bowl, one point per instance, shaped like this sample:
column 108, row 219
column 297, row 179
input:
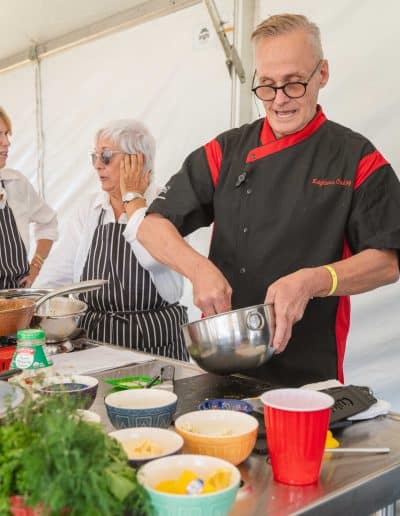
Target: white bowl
column 168, row 441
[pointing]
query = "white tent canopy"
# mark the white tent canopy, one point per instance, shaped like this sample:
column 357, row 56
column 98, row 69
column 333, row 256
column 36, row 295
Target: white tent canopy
column 161, row 62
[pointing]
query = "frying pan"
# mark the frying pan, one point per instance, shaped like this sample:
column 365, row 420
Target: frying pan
column 16, row 314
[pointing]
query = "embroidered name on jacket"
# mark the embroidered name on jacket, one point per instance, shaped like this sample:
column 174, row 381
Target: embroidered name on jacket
column 330, row 182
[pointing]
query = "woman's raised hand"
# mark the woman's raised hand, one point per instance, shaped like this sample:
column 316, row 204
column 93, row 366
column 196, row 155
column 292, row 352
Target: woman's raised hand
column 132, row 176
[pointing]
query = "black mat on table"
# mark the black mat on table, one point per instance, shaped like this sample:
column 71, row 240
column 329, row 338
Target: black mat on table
column 349, row 399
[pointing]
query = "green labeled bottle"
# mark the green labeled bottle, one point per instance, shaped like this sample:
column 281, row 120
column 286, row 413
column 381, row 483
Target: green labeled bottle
column 30, row 353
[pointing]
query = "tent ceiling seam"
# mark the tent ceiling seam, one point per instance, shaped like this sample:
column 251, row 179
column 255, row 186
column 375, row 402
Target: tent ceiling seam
column 142, row 13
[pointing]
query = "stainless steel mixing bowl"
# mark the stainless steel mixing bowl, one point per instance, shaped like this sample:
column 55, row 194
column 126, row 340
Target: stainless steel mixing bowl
column 232, row 341
column 59, row 317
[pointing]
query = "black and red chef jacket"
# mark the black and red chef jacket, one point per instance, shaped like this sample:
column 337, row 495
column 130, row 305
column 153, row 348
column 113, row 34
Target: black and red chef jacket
column 304, row 200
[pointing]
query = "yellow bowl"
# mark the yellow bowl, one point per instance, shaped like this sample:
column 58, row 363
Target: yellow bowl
column 227, row 434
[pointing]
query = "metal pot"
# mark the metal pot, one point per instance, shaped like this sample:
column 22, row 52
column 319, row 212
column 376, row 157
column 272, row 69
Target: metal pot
column 16, row 314
column 59, row 317
column 232, row 341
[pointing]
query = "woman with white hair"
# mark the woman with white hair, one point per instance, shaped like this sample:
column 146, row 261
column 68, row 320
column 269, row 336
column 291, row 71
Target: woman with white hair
column 139, row 307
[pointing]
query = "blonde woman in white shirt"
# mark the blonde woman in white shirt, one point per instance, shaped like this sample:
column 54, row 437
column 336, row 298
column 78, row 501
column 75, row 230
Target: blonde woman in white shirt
column 139, row 308
column 20, row 206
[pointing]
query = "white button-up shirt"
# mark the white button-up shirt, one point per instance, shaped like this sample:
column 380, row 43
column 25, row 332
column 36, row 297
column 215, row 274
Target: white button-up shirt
column 27, row 207
column 67, row 259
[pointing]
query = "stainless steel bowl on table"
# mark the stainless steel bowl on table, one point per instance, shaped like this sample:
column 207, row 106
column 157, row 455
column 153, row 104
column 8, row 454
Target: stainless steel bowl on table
column 232, row 341
column 59, row 317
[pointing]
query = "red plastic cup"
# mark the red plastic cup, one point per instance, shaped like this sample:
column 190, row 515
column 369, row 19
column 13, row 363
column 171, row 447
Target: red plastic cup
column 296, row 421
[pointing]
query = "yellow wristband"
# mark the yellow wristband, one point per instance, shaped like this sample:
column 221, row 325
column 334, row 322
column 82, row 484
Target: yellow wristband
column 333, row 274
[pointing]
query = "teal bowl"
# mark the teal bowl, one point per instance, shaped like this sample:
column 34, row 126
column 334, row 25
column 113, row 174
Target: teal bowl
column 167, row 468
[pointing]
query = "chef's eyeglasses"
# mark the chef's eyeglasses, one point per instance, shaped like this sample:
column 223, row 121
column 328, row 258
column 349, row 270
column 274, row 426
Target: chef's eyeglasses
column 293, row 90
column 104, row 156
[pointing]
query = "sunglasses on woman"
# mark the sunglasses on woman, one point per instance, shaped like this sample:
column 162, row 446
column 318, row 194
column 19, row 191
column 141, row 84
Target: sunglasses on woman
column 104, row 156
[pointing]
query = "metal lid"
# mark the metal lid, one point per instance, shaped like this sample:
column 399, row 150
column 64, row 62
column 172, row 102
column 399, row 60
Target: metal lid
column 33, row 293
column 31, row 334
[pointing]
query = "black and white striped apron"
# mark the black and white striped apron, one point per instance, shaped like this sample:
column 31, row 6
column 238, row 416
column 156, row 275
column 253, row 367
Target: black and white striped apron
column 14, row 263
column 128, row 311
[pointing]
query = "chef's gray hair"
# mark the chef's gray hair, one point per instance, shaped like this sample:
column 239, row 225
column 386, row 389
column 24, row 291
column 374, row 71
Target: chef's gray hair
column 279, row 24
column 131, row 137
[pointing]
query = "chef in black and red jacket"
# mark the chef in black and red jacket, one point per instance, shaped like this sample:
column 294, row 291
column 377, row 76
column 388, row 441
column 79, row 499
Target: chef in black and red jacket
column 306, row 212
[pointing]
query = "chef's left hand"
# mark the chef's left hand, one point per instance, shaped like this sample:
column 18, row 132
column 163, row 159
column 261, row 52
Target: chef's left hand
column 132, row 177
column 289, row 296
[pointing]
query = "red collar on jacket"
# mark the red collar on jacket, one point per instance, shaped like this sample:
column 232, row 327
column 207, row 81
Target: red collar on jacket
column 270, row 144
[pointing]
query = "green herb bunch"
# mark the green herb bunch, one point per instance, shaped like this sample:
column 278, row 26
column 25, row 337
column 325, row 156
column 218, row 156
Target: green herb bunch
column 62, row 463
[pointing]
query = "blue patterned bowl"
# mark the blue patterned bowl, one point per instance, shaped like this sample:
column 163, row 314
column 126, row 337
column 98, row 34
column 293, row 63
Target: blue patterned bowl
column 141, row 407
column 226, row 404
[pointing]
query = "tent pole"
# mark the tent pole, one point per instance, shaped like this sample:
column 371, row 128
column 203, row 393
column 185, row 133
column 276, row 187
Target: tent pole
column 243, row 25
column 33, row 56
column 233, row 61
column 234, row 81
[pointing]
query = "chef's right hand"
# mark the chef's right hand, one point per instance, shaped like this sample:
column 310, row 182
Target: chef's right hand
column 211, row 291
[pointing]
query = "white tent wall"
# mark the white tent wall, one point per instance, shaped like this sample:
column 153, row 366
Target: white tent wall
column 361, row 41
column 155, row 72
column 158, row 72
column 17, row 96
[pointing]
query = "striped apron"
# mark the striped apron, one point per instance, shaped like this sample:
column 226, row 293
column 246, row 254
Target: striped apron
column 128, row 311
column 14, row 263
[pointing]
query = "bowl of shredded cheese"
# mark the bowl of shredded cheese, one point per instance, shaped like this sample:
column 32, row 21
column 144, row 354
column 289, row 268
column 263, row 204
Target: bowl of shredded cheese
column 146, row 443
column 227, row 434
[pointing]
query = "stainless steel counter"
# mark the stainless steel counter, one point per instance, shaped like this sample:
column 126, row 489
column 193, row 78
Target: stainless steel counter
column 349, row 484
